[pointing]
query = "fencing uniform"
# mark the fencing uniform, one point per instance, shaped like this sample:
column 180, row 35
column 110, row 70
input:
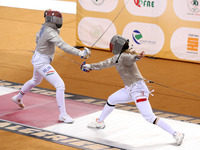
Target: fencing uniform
column 135, row 89
column 47, row 39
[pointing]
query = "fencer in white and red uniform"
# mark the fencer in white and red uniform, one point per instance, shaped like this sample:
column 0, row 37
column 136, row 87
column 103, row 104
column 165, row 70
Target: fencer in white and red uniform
column 135, row 89
column 47, row 39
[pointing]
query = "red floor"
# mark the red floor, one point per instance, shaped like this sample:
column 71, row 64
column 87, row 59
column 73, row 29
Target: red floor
column 40, row 110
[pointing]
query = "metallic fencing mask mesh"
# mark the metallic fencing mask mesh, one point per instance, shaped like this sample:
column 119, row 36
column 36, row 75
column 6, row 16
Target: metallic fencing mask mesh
column 118, row 43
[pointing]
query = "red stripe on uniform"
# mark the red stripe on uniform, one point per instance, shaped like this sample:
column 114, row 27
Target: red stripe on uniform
column 22, row 93
column 50, row 71
column 141, row 100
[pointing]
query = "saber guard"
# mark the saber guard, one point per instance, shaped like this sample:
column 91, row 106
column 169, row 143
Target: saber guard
column 83, row 69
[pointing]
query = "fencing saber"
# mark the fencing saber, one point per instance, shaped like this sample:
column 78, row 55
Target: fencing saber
column 99, row 36
column 68, row 59
column 110, row 24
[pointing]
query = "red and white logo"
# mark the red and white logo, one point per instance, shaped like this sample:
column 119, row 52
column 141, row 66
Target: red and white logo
column 137, row 3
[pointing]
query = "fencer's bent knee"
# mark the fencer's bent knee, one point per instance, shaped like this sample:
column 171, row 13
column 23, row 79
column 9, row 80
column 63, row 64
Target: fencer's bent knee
column 156, row 121
column 111, row 101
column 110, row 104
column 150, row 118
column 60, row 85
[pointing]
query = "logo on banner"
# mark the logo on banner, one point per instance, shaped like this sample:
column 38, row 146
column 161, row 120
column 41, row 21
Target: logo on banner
column 144, row 3
column 192, row 43
column 96, row 31
column 97, row 6
column 150, row 8
column 98, row 2
column 194, row 5
column 185, row 43
column 138, row 38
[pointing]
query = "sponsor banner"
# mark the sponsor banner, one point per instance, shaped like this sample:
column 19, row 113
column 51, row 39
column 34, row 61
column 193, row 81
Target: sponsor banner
column 99, row 5
column 185, row 44
column 140, row 36
column 187, row 9
column 166, row 29
column 90, row 30
column 149, row 8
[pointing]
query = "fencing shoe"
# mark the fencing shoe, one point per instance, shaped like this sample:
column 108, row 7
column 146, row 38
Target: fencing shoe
column 65, row 118
column 178, row 137
column 97, row 125
column 18, row 101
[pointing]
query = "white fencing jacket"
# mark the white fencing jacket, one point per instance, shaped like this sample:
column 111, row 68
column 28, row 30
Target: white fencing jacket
column 48, row 38
column 126, row 67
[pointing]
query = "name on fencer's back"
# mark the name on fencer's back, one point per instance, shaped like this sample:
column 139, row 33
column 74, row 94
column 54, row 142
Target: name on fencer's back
column 46, row 69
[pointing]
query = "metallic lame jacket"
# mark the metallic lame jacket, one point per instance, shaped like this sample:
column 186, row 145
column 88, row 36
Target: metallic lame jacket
column 126, row 67
column 48, row 37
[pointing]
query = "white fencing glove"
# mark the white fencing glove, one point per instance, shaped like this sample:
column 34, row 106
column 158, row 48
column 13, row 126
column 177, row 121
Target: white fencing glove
column 85, row 67
column 85, row 53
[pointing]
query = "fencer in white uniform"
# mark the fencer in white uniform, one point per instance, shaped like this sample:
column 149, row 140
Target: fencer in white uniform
column 135, row 89
column 47, row 39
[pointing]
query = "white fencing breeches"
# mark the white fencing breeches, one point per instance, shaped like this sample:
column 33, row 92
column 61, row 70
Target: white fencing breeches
column 43, row 69
column 138, row 93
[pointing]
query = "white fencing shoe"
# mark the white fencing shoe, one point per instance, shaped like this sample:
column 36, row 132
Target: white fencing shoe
column 179, row 138
column 18, row 101
column 97, row 125
column 65, row 118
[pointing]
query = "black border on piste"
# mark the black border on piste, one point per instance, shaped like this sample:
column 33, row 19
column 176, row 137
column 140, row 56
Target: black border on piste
column 23, row 126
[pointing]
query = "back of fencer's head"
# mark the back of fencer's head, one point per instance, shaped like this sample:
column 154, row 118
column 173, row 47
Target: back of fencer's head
column 54, row 17
column 45, row 12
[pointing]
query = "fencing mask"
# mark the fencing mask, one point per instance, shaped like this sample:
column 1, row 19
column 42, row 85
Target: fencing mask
column 118, row 43
column 54, row 17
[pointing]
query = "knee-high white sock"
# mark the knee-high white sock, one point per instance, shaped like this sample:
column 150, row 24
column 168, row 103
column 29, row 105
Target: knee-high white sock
column 165, row 126
column 25, row 88
column 106, row 111
column 60, row 97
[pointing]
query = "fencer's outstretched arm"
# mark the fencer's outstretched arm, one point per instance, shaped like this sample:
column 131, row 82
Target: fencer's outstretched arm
column 59, row 42
column 127, row 59
column 100, row 65
column 110, row 62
